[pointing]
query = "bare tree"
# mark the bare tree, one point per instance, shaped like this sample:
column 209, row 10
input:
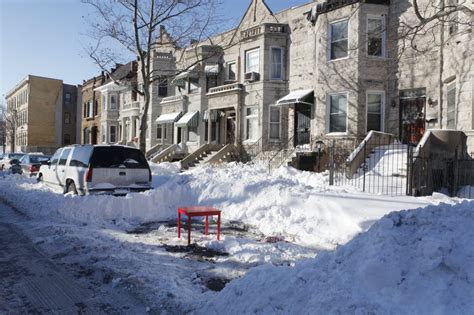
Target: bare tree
column 10, row 121
column 129, row 28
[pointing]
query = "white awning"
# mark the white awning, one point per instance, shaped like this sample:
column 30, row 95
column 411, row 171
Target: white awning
column 168, row 118
column 211, row 69
column 190, row 119
column 295, row 97
column 190, row 73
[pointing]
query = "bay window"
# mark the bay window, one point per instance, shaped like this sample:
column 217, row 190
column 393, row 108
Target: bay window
column 375, row 36
column 251, row 123
column 338, row 32
column 275, row 123
column 276, row 62
column 375, row 107
column 338, row 112
column 451, row 106
column 252, row 61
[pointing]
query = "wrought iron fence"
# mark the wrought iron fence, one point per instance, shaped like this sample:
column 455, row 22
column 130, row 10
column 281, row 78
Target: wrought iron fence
column 378, row 166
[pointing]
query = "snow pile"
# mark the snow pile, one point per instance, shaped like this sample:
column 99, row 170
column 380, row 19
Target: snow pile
column 298, row 206
column 409, row 262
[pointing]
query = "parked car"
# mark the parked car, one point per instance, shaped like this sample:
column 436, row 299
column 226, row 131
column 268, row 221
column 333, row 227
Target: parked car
column 5, row 162
column 15, row 167
column 30, row 163
column 97, row 169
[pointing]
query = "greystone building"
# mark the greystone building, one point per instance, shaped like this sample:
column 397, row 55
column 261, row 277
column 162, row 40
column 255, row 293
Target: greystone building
column 312, row 73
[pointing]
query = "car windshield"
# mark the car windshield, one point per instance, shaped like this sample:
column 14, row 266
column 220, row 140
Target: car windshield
column 38, row 158
column 16, row 156
column 117, row 157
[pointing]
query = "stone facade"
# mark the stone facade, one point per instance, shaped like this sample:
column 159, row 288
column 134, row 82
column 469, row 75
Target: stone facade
column 41, row 107
column 91, row 110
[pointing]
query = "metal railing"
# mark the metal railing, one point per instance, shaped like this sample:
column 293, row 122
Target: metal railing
column 282, row 155
column 250, row 152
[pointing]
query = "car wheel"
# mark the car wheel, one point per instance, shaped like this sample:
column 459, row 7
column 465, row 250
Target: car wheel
column 39, row 178
column 71, row 188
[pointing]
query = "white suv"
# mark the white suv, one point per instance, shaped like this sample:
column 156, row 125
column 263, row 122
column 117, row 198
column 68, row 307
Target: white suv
column 99, row 169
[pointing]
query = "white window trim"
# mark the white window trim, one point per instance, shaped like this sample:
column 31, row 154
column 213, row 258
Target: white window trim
column 329, row 40
column 271, row 63
column 384, row 36
column 270, row 123
column 246, row 58
column 328, row 114
column 90, row 109
column 450, row 86
column 228, row 70
column 247, row 141
column 382, row 109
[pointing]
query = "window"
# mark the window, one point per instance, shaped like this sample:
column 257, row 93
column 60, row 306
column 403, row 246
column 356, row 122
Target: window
column 163, row 89
column 67, row 98
column 67, row 118
column 375, row 36
column 338, row 112
column 193, row 84
column 96, row 108
column 211, row 82
column 64, row 155
column 80, row 156
column 275, row 123
column 113, row 102
column 231, row 71
column 116, row 156
column 55, row 157
column 113, row 134
column 104, row 102
column 158, row 132
column 276, row 69
column 454, row 19
column 251, row 123
column 86, row 136
column 451, row 106
column 338, row 33
column 102, row 132
column 192, row 133
column 375, row 106
column 90, row 109
column 252, row 61
column 85, row 110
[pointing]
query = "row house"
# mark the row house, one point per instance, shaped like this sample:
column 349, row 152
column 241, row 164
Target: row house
column 320, row 71
column 91, row 110
column 44, row 112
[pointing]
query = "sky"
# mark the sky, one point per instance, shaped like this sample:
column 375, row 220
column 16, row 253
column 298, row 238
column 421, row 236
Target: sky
column 47, row 38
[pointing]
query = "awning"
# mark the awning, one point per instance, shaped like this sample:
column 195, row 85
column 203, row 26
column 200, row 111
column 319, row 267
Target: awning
column 190, row 119
column 211, row 69
column 295, row 97
column 168, row 118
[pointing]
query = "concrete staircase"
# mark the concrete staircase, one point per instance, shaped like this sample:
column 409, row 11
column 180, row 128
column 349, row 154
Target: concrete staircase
column 202, row 155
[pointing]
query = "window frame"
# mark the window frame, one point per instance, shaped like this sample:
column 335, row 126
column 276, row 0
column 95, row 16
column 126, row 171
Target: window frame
column 229, row 64
column 384, row 35
column 114, row 133
column 161, row 86
column 270, row 123
column 114, row 103
column 382, row 109
column 346, row 19
column 451, row 87
column 328, row 114
column 247, row 53
column 272, row 63
column 247, row 118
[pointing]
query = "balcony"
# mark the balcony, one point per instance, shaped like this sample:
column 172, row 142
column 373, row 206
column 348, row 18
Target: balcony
column 130, row 109
column 173, row 104
column 225, row 96
column 266, row 28
column 132, row 105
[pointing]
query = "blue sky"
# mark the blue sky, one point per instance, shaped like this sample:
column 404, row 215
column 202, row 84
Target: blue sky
column 46, row 38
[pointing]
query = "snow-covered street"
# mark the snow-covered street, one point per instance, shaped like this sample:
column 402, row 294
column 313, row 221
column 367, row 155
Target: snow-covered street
column 274, row 225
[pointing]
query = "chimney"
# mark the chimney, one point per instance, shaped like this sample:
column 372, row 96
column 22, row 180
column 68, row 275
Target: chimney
column 194, row 41
column 162, row 32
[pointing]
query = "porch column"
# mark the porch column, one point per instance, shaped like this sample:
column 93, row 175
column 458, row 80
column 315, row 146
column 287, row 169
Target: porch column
column 209, row 127
column 238, row 139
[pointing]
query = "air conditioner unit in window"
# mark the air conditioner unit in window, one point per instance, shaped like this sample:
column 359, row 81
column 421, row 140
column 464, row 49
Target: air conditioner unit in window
column 252, row 76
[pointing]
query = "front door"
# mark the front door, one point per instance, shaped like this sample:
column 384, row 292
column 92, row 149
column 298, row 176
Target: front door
column 302, row 124
column 412, row 119
column 230, row 130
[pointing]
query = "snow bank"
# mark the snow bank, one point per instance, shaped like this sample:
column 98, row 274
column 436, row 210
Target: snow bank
column 409, row 262
column 299, row 206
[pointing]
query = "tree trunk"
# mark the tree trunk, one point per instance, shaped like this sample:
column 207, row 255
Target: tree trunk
column 144, row 119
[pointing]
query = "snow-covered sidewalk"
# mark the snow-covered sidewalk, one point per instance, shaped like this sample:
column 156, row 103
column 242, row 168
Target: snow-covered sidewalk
column 131, row 242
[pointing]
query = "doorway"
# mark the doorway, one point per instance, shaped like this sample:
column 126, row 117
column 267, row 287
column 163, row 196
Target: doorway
column 302, row 124
column 412, row 119
column 230, row 127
